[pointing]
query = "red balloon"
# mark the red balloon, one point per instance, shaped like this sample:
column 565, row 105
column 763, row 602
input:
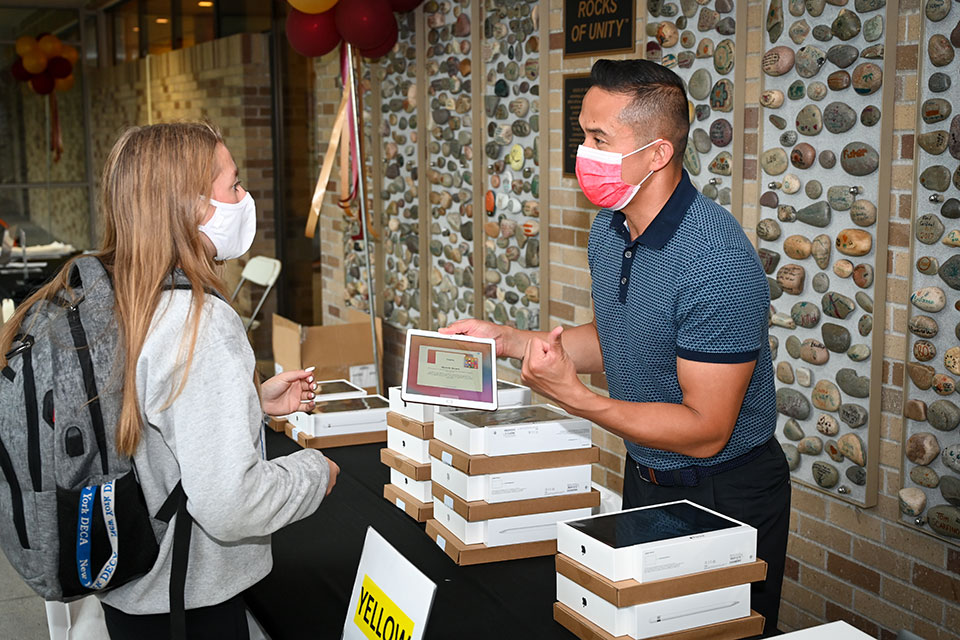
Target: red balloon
column 19, row 73
column 59, row 67
column 402, row 6
column 43, row 83
column 384, row 48
column 366, row 24
column 312, row 34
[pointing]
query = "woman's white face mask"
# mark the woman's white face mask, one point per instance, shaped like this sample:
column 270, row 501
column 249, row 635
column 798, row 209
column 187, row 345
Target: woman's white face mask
column 232, row 227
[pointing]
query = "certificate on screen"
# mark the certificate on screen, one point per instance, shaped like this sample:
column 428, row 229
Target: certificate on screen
column 456, row 371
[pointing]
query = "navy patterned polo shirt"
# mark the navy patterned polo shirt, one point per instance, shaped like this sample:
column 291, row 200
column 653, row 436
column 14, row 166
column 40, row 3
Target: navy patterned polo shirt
column 690, row 286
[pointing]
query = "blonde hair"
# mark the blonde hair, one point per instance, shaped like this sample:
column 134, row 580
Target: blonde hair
column 152, row 200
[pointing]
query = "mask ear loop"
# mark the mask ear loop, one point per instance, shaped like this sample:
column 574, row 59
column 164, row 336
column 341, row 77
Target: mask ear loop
column 627, row 155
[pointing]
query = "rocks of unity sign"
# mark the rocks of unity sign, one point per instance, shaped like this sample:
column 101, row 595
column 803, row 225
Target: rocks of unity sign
column 595, row 26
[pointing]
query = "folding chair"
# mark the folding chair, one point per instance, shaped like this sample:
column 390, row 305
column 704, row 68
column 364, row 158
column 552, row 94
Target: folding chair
column 259, row 270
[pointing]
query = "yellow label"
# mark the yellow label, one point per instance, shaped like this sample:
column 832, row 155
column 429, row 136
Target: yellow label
column 378, row 616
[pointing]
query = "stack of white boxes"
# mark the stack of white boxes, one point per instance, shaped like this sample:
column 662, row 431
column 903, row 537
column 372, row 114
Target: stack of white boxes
column 409, row 431
column 502, row 480
column 675, row 570
column 343, row 415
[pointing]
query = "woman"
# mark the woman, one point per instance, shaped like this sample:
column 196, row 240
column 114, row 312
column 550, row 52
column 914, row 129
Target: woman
column 172, row 207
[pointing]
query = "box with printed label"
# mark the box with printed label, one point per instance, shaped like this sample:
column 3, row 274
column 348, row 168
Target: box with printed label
column 410, row 446
column 336, row 439
column 422, row 430
column 474, row 465
column 512, row 431
column 735, row 629
column 407, row 466
column 502, row 531
column 469, row 554
column 354, row 415
column 479, row 510
column 659, row 617
column 657, row 542
column 419, row 489
column 419, row 511
column 515, row 485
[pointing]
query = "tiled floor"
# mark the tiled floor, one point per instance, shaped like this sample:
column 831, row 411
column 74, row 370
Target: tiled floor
column 21, row 610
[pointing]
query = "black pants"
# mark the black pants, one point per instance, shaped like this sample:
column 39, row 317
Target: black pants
column 226, row 621
column 758, row 494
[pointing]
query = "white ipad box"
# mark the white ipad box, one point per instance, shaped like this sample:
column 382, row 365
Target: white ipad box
column 656, row 618
column 337, row 417
column 657, row 542
column 503, row 531
column 509, row 394
column 422, row 490
column 414, row 410
column 515, row 430
column 328, row 390
column 515, row 485
column 411, row 446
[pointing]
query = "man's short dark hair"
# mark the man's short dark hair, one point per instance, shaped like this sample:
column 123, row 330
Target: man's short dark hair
column 659, row 101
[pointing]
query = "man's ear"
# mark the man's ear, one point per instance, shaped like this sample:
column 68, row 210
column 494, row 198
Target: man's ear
column 663, row 154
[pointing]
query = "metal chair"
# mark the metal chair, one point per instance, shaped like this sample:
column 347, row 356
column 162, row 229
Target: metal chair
column 259, row 270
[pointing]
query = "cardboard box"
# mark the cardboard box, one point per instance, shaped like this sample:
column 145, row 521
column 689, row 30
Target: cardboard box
column 419, row 511
column 337, row 350
column 630, row 592
column 730, row 630
column 660, row 616
column 482, row 464
column 403, row 464
column 422, row 430
column 513, row 431
column 480, row 510
column 468, row 554
column 277, row 423
column 657, row 542
column 413, row 448
column 515, row 485
column 498, row 532
column 335, row 417
column 419, row 489
column 329, row 442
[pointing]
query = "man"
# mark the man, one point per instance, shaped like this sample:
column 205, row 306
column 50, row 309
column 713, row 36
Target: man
column 680, row 328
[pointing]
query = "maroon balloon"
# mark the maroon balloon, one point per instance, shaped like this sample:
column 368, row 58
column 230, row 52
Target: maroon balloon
column 312, row 34
column 384, row 48
column 402, row 6
column 43, row 83
column 19, row 73
column 366, row 24
column 59, row 67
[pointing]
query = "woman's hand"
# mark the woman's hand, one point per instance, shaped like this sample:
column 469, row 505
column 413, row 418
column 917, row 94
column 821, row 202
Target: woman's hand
column 288, row 392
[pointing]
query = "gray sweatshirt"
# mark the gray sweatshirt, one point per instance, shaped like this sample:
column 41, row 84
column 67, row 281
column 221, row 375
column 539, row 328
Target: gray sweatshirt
column 211, row 437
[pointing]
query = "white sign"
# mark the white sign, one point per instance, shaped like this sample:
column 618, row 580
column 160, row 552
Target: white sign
column 391, row 598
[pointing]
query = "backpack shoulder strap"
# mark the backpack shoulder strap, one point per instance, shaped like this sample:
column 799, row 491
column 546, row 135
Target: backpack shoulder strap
column 176, row 504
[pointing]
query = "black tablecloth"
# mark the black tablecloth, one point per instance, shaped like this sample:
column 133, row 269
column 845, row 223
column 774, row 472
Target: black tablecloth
column 316, row 559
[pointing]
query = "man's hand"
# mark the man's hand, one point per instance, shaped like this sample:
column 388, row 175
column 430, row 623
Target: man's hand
column 507, row 345
column 548, row 369
column 288, row 392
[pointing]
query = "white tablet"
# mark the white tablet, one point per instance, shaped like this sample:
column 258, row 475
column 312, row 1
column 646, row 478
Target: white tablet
column 453, row 371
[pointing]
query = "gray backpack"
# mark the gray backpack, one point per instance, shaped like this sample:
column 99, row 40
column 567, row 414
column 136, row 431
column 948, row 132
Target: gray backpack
column 73, row 520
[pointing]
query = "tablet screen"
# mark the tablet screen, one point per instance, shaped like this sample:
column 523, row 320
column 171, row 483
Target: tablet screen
column 445, row 367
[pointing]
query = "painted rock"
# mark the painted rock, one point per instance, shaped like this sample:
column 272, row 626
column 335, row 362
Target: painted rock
column 822, row 33
column 939, row 82
column 954, row 143
column 840, row 198
column 721, row 132
column 925, row 477
column 930, row 299
column 836, row 305
column 785, row 373
column 727, row 26
column 853, row 415
column 865, row 6
column 863, row 213
column 827, row 159
column 788, row 138
column 768, row 260
column 853, row 384
column 796, row 7
column 810, row 445
column 790, row 278
column 793, row 346
column 667, row 34
column 828, row 425
column 950, row 209
column 792, row 455
column 951, row 360
column 943, row 415
column 863, row 275
column 804, row 376
column 768, row 229
column 869, row 116
column 778, row 122
column 867, row 78
column 723, row 56
column 912, row 501
column 708, row 19
column 921, row 374
column 820, row 249
column 838, row 80
column 945, row 520
column 856, row 475
column 774, row 344
column 797, row 247
column 699, row 84
column 924, row 351
column 873, row 28
column 825, row 474
column 935, row 110
column 786, row 213
column 940, row 50
column 836, row 338
column 839, row 117
column 951, row 457
column 769, row 199
column 846, row 26
column 927, row 265
column 952, row 239
column 865, row 325
column 805, row 314
column 792, row 430
column 815, row 7
column 950, row 489
column 929, row 229
column 774, row 161
column 705, row 48
column 843, row 268
column 936, row 10
column 854, row 242
column 803, row 156
column 816, row 214
column 859, row 159
column 922, row 448
column 782, row 320
column 851, row 446
column 799, row 31
column 691, row 160
column 808, row 61
column 797, row 90
column 943, row 384
column 873, row 52
column 817, row 91
column 923, row 326
column 842, row 55
column 955, row 36
column 826, row 396
column 701, row 141
column 832, row 450
column 793, row 404
column 777, row 61
column 915, row 410
column 774, row 24
column 809, row 120
column 771, row 98
column 813, row 351
column 721, row 96
column 859, row 353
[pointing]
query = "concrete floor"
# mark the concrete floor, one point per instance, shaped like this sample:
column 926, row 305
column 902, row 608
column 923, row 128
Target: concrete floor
column 22, row 612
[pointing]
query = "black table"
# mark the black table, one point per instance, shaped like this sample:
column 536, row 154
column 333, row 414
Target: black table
column 315, row 563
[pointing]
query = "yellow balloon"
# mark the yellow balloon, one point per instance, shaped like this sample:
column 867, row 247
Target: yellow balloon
column 50, row 45
column 70, row 53
column 34, row 61
column 26, row 44
column 312, row 6
column 64, row 84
